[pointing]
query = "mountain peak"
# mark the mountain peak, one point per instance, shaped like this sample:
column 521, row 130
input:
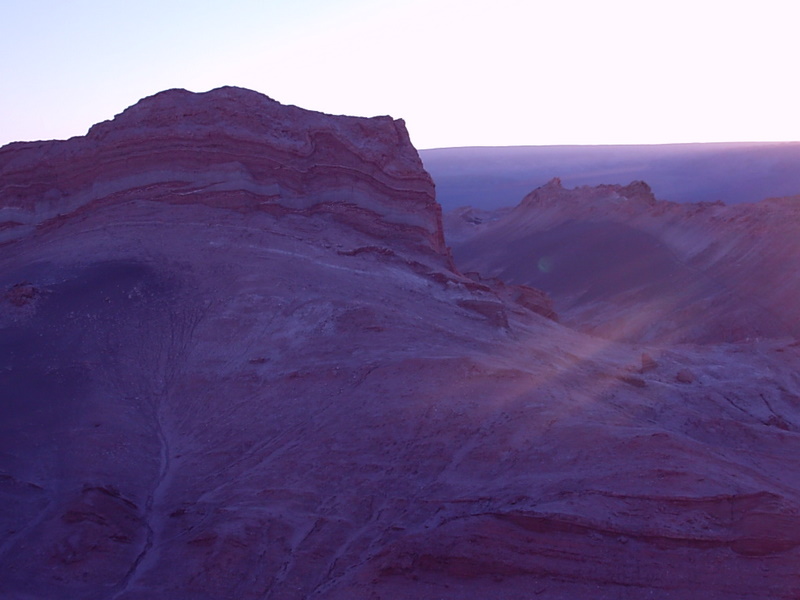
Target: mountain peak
column 554, row 183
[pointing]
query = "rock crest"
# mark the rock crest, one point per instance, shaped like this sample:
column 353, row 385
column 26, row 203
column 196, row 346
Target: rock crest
column 227, row 140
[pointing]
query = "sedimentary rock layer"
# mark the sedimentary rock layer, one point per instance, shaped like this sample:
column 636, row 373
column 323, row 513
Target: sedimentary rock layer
column 177, row 143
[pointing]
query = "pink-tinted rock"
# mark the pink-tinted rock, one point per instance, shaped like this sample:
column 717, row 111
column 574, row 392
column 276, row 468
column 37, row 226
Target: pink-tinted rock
column 176, row 143
column 648, row 363
column 21, row 294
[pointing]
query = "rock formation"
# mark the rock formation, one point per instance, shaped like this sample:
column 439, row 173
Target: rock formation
column 170, row 146
column 236, row 362
column 622, row 264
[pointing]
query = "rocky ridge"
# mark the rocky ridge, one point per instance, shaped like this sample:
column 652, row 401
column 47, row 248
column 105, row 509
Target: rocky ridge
column 624, row 264
column 176, row 143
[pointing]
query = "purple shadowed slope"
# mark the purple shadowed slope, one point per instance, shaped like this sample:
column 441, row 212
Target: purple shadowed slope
column 623, row 265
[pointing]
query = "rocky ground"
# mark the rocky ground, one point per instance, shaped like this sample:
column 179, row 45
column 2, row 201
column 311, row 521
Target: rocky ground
column 238, row 361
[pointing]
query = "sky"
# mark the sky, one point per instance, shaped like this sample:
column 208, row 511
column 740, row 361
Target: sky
column 459, row 72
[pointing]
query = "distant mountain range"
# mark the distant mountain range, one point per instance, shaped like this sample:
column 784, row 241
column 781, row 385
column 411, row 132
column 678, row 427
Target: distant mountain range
column 491, row 177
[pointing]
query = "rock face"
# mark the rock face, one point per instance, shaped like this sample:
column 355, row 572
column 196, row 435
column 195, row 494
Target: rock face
column 236, row 363
column 621, row 264
column 171, row 145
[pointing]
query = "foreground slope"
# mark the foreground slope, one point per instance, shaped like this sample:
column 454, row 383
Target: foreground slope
column 237, row 362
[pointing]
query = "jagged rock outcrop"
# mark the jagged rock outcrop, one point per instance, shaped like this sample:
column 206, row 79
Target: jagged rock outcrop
column 595, row 198
column 622, row 264
column 522, row 295
column 242, row 367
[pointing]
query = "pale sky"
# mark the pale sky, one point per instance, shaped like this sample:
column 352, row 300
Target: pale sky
column 460, row 72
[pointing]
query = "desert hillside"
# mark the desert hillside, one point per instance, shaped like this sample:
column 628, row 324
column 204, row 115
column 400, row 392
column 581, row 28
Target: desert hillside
column 622, row 264
column 238, row 361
